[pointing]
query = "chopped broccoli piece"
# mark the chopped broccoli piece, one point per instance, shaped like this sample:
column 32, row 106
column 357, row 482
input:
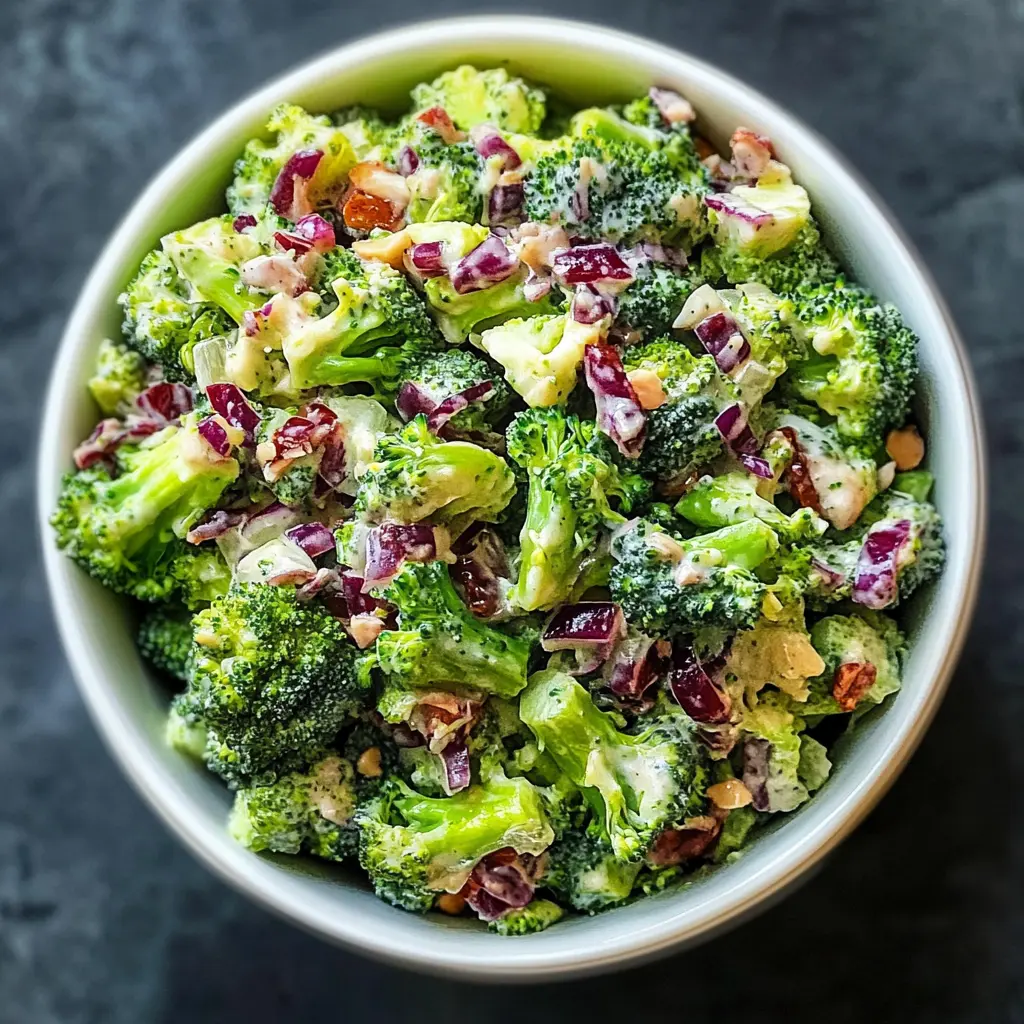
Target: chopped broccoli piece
column 365, row 130
column 415, row 847
column 916, row 484
column 773, row 721
column 273, row 680
column 651, row 303
column 534, row 917
column 585, row 873
column 126, row 529
column 638, row 785
column 471, row 97
column 668, row 589
column 119, row 378
column 304, row 811
column 165, row 640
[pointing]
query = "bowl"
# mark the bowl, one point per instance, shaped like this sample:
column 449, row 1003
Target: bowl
column 585, row 64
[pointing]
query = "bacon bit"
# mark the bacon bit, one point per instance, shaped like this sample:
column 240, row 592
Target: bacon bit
column 363, row 212
column 649, row 390
column 751, row 152
column 676, row 845
column 801, row 487
column 438, row 119
column 368, row 764
column 729, row 794
column 390, row 249
column 451, row 903
column 906, row 447
column 851, row 682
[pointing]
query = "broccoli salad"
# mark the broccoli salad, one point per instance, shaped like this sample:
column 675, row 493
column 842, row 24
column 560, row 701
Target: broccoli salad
column 520, row 501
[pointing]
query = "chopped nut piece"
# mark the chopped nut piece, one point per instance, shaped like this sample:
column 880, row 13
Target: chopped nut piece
column 364, row 629
column 665, row 547
column 729, row 794
column 648, row 387
column 369, row 763
column 451, row 903
column 906, row 447
column 851, row 682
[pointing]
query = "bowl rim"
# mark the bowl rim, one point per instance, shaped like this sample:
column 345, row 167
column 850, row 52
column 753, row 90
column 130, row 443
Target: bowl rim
column 357, row 930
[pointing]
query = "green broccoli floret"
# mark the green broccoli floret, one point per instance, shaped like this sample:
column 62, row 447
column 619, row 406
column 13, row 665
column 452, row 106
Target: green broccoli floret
column 162, row 321
column 651, row 303
column 415, row 847
column 126, row 529
column 583, row 872
column 439, row 643
column 861, row 361
column 669, row 588
column 365, row 130
column 118, row 379
column 302, row 812
column 374, row 304
column 534, row 917
column 471, row 97
column 915, row 483
column 638, row 785
column 273, row 680
column 573, row 483
column 415, row 476
column 295, row 131
column 165, row 640
column 732, row 498
column 822, row 570
column 681, row 433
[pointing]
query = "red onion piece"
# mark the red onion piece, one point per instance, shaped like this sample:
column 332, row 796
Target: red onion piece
column 489, row 143
column 314, row 538
column 619, row 413
column 357, row 601
column 253, row 320
column 488, row 264
column 455, row 758
column 587, row 624
column 318, row 413
column 635, row 665
column 590, row 264
column 269, row 522
column 228, row 400
column 413, row 400
column 579, row 202
column 164, row 401
column 215, row 525
column 727, row 204
column 732, row 425
column 875, row 578
column 290, row 241
column 299, row 167
column 589, row 305
column 723, row 339
column 694, row 690
column 536, row 287
column 294, row 438
column 829, row 577
column 756, row 755
column 498, row 884
column 657, row 253
column 316, row 230
column 756, row 465
column 428, row 258
column 454, row 404
column 108, row 435
column 407, row 162
column 390, row 545
column 215, row 436
column 243, row 222
column 505, row 204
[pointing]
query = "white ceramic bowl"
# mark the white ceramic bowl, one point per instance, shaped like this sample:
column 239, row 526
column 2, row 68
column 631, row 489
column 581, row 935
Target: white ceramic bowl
column 585, row 64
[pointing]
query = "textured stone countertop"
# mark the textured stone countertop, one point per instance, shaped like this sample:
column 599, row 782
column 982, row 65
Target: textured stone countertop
column 919, row 917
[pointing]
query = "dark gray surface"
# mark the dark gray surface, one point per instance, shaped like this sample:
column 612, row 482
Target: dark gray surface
column 104, row 918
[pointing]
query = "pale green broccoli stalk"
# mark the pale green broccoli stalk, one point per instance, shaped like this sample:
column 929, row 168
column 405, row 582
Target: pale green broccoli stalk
column 440, row 644
column 534, row 917
column 772, row 720
column 165, row 640
column 414, row 847
column 915, row 483
column 374, row 304
column 126, row 529
column 273, row 680
column 583, row 872
column 861, row 362
column 736, row 832
column 638, row 785
column 669, row 588
column 732, row 498
column 415, row 476
column 308, row 811
column 118, row 379
column 294, row 131
column 573, row 485
column 471, row 97
column 653, row 300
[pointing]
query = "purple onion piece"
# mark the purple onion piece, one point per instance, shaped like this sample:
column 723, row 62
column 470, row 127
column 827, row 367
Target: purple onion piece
column 407, row 162
column 317, row 231
column 756, row 755
column 756, row 465
column 728, row 204
column 619, row 413
column 657, row 253
column 215, row 436
column 505, row 204
column 314, row 538
column 243, row 222
column 590, row 264
column 694, row 690
column 413, row 400
column 390, row 545
column 732, row 425
column 634, row 667
column 331, row 471
column 830, row 578
column 587, row 624
column 164, row 401
column 428, row 258
column 301, row 166
column 723, row 339
column 589, row 305
column 489, row 143
column 875, row 582
column 357, row 602
column 215, row 525
column 480, row 565
column 490, row 263
column 229, row 402
column 579, row 202
column 454, row 404
column 268, row 523
column 536, row 287
column 288, row 240
column 108, row 435
column 455, row 758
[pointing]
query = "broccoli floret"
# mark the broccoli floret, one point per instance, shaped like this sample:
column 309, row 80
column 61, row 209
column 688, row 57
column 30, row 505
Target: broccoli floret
column 541, row 355
column 416, row 476
column 165, row 640
column 822, row 570
column 584, row 872
column 651, row 303
column 915, row 483
column 415, row 847
column 669, row 588
column 302, row 812
column 439, row 643
column 162, row 321
column 365, row 130
column 273, row 680
column 573, row 481
column 638, row 785
column 374, row 305
column 471, row 97
column 861, row 362
column 294, row 131
column 732, row 498
column 126, row 529
column 118, row 379
column 534, row 917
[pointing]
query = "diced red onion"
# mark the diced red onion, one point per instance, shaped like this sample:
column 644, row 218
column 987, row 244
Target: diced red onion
column 499, row 883
column 489, row 143
column 488, row 264
column 314, row 538
column 357, row 601
column 728, row 204
column 293, row 438
column 108, row 435
column 723, row 339
column 289, row 240
column 579, row 202
column 657, row 253
column 279, row 272
column 428, row 258
column 165, row 401
column 412, row 400
column 215, row 435
column 243, row 222
column 390, row 545
column 756, row 465
column 672, row 107
column 407, row 162
column 316, row 230
column 830, row 578
column 756, row 755
column 619, row 413
column 732, row 425
column 590, row 264
column 455, row 758
column 454, row 404
column 252, row 320
column 229, row 402
column 505, row 204
column 590, row 306
column 587, row 624
column 875, row 579
column 268, row 523
column 694, row 690
column 536, row 287
column 298, row 167
column 635, row 665
column 215, row 525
